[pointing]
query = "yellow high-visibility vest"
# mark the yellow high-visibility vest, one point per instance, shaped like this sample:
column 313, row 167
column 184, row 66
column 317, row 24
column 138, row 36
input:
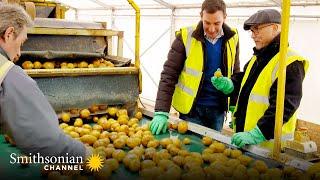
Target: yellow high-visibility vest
column 189, row 80
column 5, row 66
column 258, row 101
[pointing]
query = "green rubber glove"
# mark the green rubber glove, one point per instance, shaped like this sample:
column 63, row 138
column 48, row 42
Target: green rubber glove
column 223, row 84
column 232, row 108
column 254, row 136
column 159, row 122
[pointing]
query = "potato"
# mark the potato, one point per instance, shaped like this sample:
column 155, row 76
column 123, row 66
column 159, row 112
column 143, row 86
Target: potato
column 182, row 127
column 186, row 141
column 65, row 117
column 70, row 66
column 84, row 113
column 97, row 127
column 207, row 151
column 63, row 125
column 165, row 142
column 245, row 160
column 101, row 142
column 260, row 166
column 149, row 152
column 183, row 153
column 153, row 143
column 176, row 142
column 133, row 142
column 48, row 65
column 78, row 122
column 122, row 112
column 74, row 134
column 84, row 131
column 94, row 108
column 104, row 135
column 87, row 126
column 227, row 152
column 134, row 165
column 83, row 64
column 179, row 160
column 95, row 119
column 118, row 154
column 138, row 115
column 235, row 153
column 218, row 73
column 132, row 121
column 109, row 151
column 147, row 164
column 37, row 65
column 145, row 139
column 27, row 65
column 95, row 133
column 88, row 139
column 123, row 119
column 112, row 111
column 112, row 163
column 217, row 147
column 206, row 140
column 119, row 143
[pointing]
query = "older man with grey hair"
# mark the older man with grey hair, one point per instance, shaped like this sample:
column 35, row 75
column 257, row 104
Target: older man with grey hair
column 254, row 115
column 26, row 114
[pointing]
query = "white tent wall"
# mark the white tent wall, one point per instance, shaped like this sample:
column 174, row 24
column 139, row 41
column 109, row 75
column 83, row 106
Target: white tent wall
column 155, row 44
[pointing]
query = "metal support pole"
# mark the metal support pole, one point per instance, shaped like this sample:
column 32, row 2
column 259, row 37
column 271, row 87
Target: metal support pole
column 173, row 26
column 285, row 20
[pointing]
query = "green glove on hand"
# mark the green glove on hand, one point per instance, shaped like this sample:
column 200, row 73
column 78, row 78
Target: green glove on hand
column 254, row 136
column 223, row 84
column 159, row 122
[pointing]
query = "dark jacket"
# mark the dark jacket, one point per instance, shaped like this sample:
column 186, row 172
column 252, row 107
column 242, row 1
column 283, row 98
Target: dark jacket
column 293, row 90
column 175, row 63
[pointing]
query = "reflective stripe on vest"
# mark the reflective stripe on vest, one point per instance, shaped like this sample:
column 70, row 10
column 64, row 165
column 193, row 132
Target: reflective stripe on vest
column 190, row 77
column 5, row 66
column 258, row 101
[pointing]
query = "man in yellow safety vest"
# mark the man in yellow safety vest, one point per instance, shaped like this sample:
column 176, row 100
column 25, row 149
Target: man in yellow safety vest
column 187, row 76
column 254, row 115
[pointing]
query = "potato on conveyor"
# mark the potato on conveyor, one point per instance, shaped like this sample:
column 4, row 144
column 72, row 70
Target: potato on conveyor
column 235, row 153
column 65, row 117
column 260, row 166
column 206, row 140
column 37, row 65
column 84, row 113
column 118, row 154
column 122, row 112
column 88, row 139
column 112, row 163
column 138, row 115
column 27, row 65
column 78, row 122
column 147, row 164
column 182, row 127
column 112, row 111
column 83, row 64
column 48, row 65
column 186, row 141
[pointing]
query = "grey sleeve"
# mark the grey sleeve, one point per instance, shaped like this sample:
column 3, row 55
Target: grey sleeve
column 27, row 115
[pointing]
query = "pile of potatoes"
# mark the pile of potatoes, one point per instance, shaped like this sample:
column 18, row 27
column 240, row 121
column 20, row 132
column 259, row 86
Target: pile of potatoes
column 118, row 138
column 97, row 63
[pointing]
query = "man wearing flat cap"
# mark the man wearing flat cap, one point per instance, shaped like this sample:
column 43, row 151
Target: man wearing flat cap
column 256, row 87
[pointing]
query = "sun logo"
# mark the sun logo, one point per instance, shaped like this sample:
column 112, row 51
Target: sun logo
column 95, row 162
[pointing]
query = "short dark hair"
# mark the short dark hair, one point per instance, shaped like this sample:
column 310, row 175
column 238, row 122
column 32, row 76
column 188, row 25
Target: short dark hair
column 212, row 6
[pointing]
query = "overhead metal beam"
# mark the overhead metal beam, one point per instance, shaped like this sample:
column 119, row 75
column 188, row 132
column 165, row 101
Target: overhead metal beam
column 165, row 4
column 198, row 5
column 277, row 2
column 104, row 5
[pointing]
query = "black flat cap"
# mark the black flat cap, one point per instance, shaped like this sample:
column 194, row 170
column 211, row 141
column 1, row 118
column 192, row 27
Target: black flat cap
column 263, row 17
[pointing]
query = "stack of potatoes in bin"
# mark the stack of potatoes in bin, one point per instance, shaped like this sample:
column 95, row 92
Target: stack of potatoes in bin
column 118, row 138
column 97, row 63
